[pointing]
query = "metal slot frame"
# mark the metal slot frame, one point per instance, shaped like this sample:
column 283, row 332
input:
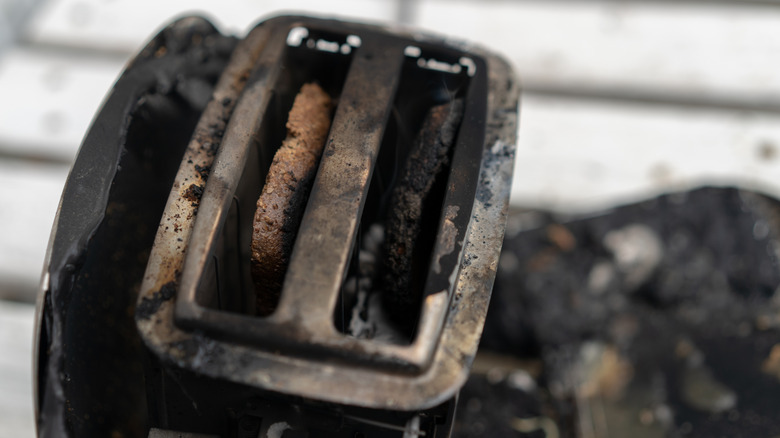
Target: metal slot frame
column 302, row 323
column 457, row 291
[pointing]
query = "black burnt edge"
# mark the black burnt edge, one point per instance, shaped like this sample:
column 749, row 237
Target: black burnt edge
column 193, row 48
column 150, row 306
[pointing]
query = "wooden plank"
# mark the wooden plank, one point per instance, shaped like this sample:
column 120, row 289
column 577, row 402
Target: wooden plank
column 720, row 50
column 124, row 25
column 49, row 100
column 30, row 194
column 6, row 29
column 12, row 16
column 581, row 155
column 16, row 384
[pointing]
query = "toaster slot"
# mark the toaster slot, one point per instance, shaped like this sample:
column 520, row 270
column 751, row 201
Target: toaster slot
column 361, row 311
column 309, row 56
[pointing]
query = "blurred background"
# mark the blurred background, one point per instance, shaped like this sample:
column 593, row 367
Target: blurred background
column 622, row 100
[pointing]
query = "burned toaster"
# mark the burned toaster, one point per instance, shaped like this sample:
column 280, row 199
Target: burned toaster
column 376, row 313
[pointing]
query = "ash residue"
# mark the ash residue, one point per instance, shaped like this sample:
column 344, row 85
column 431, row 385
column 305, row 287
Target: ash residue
column 493, row 405
column 656, row 319
column 368, row 319
column 358, row 286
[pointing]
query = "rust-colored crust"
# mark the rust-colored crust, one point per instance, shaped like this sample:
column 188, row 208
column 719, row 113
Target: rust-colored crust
column 281, row 204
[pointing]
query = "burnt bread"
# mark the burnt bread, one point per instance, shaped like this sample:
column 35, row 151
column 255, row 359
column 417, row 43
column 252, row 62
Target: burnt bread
column 283, row 199
column 428, row 158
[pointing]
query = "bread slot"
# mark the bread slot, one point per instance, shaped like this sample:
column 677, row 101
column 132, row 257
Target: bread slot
column 382, row 295
column 282, row 202
column 227, row 283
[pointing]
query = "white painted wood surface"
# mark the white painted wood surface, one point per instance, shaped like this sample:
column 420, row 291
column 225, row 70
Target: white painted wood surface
column 16, row 397
column 589, row 137
column 49, row 99
column 29, row 194
column 123, row 25
column 12, row 19
column 695, row 48
column 688, row 47
column 576, row 155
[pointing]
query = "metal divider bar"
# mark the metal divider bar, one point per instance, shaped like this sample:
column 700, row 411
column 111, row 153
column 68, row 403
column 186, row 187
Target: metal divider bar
column 327, row 233
column 223, row 179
